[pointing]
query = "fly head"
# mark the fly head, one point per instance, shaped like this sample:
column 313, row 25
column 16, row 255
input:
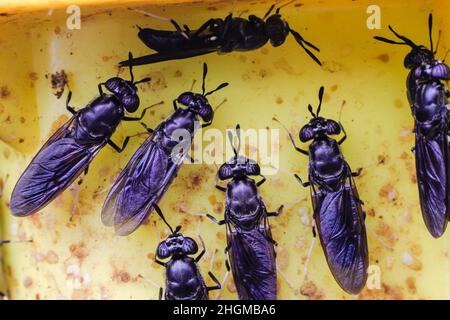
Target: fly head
column 419, row 54
column 197, row 102
column 318, row 126
column 238, row 166
column 126, row 90
column 176, row 245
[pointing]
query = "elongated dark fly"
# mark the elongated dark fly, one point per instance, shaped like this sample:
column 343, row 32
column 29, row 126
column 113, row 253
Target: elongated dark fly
column 219, row 35
column 183, row 278
column 337, row 208
column 70, row 150
column 250, row 247
column 428, row 98
column 154, row 166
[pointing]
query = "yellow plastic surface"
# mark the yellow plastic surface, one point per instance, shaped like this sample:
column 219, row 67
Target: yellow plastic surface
column 73, row 256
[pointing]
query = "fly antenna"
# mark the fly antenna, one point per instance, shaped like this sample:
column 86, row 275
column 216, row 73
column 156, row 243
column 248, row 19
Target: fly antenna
column 130, row 58
column 283, row 5
column 405, row 39
column 178, row 228
column 205, row 72
column 221, row 86
column 320, row 100
column 389, row 40
column 430, row 30
column 304, row 44
column 269, row 11
column 230, row 138
column 147, row 79
column 160, row 214
column 310, row 109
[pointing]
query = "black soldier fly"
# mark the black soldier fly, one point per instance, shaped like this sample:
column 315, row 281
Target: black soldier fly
column 250, row 246
column 337, row 208
column 69, row 151
column 183, row 278
column 218, row 35
column 428, row 98
column 154, row 166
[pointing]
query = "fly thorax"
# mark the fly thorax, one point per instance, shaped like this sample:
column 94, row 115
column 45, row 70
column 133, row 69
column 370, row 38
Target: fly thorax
column 430, row 101
column 243, row 202
column 183, row 280
column 326, row 158
column 180, row 128
column 102, row 116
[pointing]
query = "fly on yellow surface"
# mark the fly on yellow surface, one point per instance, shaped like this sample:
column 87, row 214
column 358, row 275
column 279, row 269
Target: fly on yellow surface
column 44, row 53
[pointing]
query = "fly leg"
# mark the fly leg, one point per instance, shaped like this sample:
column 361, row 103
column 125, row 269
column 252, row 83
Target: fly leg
column 308, row 257
column 345, row 134
column 218, row 285
column 201, row 254
column 218, row 222
column 376, row 236
column 357, row 173
column 304, row 184
column 173, row 22
column 217, row 185
column 302, row 151
column 207, row 124
column 160, row 262
column 116, row 147
column 276, row 213
column 227, row 265
column 203, row 27
column 149, row 130
column 100, row 90
column 69, row 108
column 160, row 289
column 259, row 183
column 125, row 118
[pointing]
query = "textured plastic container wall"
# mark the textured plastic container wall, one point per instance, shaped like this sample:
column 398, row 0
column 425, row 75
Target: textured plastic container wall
column 74, row 256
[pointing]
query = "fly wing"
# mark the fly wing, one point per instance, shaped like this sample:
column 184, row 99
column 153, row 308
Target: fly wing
column 432, row 165
column 340, row 219
column 57, row 164
column 252, row 258
column 140, row 185
column 166, row 56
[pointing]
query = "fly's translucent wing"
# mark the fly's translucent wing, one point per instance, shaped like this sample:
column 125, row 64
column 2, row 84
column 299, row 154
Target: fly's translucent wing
column 139, row 187
column 252, row 258
column 432, row 167
column 166, row 56
column 340, row 223
column 57, row 164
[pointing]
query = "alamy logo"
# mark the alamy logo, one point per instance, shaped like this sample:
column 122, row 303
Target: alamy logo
column 211, row 146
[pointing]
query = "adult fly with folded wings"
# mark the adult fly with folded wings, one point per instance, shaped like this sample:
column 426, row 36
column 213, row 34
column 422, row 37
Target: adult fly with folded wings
column 337, row 209
column 250, row 246
column 218, row 35
column 154, row 166
column 70, row 150
column 183, row 278
column 428, row 98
